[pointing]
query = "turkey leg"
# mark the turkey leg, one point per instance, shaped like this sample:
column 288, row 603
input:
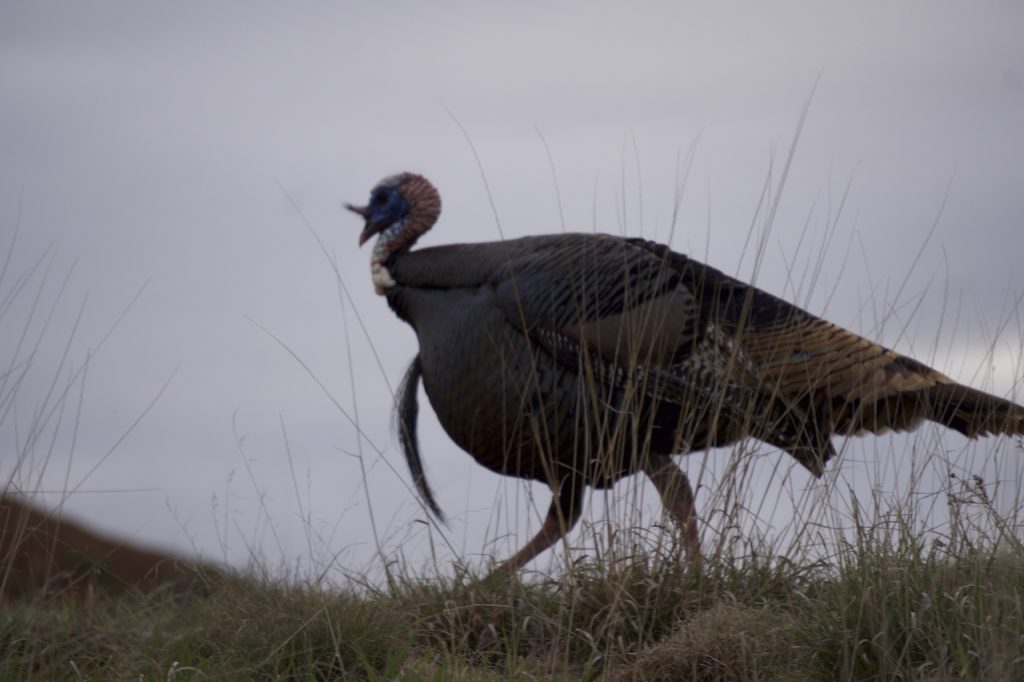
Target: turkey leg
column 565, row 510
column 677, row 496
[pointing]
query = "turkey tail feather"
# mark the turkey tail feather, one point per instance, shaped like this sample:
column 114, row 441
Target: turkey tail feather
column 973, row 412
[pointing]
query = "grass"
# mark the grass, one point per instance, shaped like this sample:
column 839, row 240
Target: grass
column 886, row 604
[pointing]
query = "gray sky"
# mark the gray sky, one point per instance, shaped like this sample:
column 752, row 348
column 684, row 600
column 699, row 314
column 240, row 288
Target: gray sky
column 169, row 144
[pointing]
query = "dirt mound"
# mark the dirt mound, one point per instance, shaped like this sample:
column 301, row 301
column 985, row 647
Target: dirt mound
column 44, row 554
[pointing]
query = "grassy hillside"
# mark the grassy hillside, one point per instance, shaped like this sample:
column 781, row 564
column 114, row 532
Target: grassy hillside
column 886, row 603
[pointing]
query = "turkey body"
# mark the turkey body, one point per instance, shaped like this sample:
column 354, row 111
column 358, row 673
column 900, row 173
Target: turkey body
column 512, row 387
column 577, row 359
column 500, row 391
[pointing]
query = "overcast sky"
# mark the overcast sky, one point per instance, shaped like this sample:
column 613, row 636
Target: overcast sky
column 198, row 151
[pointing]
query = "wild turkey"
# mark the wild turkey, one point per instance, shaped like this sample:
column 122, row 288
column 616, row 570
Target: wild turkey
column 578, row 359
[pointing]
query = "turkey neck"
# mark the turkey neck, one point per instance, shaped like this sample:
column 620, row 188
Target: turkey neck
column 382, row 280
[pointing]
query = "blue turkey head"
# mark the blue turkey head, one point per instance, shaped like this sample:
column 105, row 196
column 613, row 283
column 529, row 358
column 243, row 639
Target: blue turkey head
column 402, row 207
column 387, row 206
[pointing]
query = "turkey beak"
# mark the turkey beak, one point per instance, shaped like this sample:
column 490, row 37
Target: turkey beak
column 371, row 228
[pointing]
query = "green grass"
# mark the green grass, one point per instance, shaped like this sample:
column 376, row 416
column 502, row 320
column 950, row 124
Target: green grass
column 887, row 603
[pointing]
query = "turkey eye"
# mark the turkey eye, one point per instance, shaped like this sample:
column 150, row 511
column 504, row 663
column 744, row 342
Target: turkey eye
column 379, row 199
